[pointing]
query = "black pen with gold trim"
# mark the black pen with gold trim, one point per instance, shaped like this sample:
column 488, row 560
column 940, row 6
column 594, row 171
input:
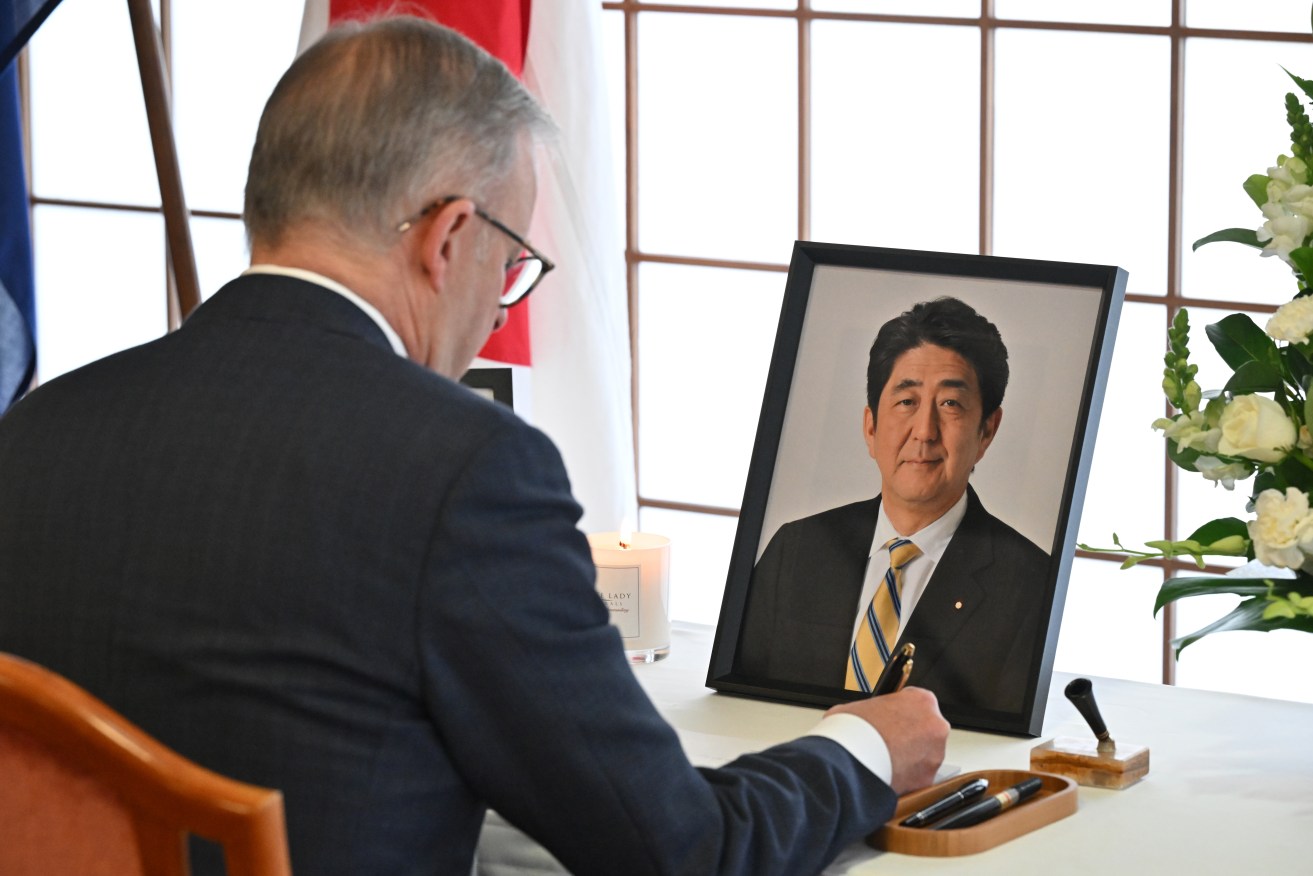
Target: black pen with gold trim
column 895, row 672
column 990, row 806
column 946, row 804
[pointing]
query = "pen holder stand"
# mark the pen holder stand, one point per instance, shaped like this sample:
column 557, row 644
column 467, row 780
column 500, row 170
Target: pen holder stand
column 1080, row 759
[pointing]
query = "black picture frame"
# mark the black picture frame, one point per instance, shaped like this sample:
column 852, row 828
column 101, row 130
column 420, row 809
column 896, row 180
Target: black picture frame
column 1058, row 320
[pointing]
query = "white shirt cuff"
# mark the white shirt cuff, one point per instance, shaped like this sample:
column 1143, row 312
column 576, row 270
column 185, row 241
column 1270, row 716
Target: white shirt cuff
column 859, row 739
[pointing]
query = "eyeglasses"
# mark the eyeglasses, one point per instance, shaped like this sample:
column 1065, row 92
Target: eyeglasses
column 523, row 272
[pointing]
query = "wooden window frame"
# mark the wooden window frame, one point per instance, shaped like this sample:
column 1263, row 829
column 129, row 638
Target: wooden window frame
column 988, row 24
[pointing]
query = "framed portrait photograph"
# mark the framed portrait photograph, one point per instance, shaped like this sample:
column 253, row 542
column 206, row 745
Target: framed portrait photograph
column 917, row 477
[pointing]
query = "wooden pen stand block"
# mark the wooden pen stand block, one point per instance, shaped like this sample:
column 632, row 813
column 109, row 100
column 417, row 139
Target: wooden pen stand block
column 1056, row 799
column 1081, row 760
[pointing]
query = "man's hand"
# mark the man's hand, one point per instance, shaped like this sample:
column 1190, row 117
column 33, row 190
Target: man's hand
column 913, row 729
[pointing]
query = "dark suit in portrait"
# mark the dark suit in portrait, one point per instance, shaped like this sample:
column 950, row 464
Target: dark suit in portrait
column 312, row 564
column 806, row 589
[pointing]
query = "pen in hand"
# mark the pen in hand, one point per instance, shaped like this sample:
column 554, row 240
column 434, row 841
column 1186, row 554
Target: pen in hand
column 947, row 804
column 895, row 672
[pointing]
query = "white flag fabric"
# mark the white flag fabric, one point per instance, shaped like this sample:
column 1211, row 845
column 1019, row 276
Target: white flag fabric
column 314, row 21
column 581, row 362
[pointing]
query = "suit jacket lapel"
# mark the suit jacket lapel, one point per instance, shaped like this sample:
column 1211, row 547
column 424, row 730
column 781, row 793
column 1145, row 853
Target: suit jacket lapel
column 850, row 557
column 954, row 592
column 820, row 622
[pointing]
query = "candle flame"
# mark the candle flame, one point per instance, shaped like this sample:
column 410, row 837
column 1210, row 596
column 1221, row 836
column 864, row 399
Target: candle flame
column 626, row 534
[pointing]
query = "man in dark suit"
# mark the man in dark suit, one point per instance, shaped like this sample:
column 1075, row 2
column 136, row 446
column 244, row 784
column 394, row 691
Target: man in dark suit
column 971, row 600
column 285, row 541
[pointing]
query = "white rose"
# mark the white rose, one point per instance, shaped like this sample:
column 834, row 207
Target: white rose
column 1255, row 427
column 1293, row 321
column 1224, row 473
column 1283, row 531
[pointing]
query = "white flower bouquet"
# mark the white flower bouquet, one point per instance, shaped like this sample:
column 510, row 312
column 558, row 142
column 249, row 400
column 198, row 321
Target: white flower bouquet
column 1257, row 424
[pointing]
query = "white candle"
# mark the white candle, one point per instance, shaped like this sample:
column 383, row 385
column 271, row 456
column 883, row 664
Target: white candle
column 633, row 579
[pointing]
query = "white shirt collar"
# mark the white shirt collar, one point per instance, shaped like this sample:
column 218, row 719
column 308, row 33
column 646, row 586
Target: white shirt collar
column 370, row 310
column 932, row 538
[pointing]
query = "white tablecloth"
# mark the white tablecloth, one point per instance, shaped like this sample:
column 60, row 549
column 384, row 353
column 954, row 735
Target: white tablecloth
column 1229, row 790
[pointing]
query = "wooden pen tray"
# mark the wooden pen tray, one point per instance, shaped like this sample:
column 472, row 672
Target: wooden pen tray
column 1055, row 799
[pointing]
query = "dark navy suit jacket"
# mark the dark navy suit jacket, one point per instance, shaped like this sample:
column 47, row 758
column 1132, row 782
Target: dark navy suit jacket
column 974, row 626
column 311, row 564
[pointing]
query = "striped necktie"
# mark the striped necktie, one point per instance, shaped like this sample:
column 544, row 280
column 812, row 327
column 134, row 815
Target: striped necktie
column 878, row 631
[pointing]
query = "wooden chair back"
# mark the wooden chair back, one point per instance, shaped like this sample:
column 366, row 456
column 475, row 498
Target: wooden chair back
column 84, row 791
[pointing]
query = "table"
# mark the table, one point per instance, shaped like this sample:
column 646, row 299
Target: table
column 1229, row 790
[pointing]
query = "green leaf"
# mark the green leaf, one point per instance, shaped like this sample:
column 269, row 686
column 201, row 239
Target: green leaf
column 1293, row 471
column 1248, row 615
column 1183, row 458
column 1256, row 188
column 1253, row 377
column 1206, row 585
column 1222, row 527
column 1238, row 340
column 1302, row 258
column 1266, row 479
column 1305, row 85
column 1297, row 366
column 1247, row 236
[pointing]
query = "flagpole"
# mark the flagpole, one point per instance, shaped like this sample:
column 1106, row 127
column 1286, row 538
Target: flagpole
column 155, row 89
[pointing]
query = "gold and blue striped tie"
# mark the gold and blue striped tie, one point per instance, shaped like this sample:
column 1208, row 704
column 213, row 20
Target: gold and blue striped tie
column 878, row 631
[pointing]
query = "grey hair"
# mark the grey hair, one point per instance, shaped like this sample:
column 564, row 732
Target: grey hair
column 377, row 119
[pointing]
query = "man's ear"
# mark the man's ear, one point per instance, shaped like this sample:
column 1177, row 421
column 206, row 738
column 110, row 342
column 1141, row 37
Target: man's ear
column 446, row 235
column 988, row 429
column 868, row 430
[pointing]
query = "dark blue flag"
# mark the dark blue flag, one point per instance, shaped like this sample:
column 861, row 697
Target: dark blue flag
column 19, row 19
column 17, row 311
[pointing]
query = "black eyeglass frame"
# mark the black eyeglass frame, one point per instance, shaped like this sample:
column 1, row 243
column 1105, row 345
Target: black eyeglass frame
column 506, row 300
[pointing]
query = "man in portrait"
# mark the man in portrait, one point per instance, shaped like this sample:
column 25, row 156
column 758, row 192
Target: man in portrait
column 923, row 562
